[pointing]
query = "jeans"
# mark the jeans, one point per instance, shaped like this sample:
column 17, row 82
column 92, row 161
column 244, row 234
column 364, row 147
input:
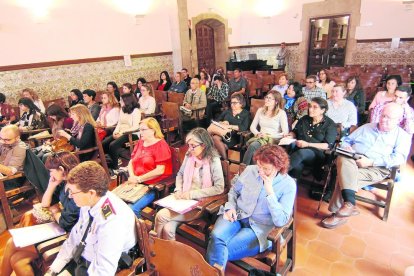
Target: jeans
column 248, row 155
column 231, row 241
column 302, row 157
column 142, row 203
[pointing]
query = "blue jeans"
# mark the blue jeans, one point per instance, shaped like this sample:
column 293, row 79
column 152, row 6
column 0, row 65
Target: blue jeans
column 142, row 203
column 231, row 241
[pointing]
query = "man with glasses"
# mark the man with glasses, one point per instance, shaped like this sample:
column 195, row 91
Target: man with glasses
column 311, row 91
column 12, row 154
column 381, row 146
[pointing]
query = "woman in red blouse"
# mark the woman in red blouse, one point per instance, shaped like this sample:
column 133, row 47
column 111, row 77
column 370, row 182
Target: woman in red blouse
column 150, row 161
column 164, row 82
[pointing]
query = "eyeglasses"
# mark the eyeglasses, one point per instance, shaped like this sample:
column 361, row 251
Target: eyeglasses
column 233, row 103
column 193, row 147
column 269, row 98
column 73, row 193
column 310, row 82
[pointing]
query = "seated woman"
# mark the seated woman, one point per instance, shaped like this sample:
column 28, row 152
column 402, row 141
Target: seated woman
column 216, row 96
column 204, row 83
column 356, row 95
column 296, row 105
column 200, row 176
column 314, row 133
column 30, row 116
column 76, row 97
column 106, row 222
column 140, row 82
column 383, row 97
column 282, row 85
column 147, row 102
column 19, row 259
column 89, row 97
column 273, row 124
column 7, row 114
column 237, row 119
column 129, row 119
column 150, row 161
column 195, row 100
column 178, row 85
column 112, row 87
column 342, row 111
column 325, row 82
column 109, row 114
column 164, row 83
column 82, row 134
column 31, row 94
column 261, row 198
column 127, row 88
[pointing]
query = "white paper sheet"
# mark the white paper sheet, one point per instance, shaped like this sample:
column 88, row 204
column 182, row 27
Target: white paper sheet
column 180, row 206
column 286, row 141
column 34, row 234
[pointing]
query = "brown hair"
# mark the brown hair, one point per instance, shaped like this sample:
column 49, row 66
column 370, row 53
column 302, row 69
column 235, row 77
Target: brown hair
column 275, row 155
column 32, row 93
column 63, row 159
column 89, row 175
column 112, row 101
column 149, row 88
column 83, row 113
column 279, row 102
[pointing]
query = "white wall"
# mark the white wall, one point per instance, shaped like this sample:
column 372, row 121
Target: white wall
column 76, row 29
column 385, row 19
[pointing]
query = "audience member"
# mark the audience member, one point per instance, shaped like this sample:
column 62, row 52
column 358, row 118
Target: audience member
column 313, row 133
column 204, row 83
column 325, row 82
column 272, row 121
column 238, row 84
column 282, row 85
column 282, row 56
column 31, row 94
column 109, row 114
column 216, row 96
column 186, row 77
column 342, row 111
column 261, row 198
column 178, row 85
column 311, row 91
column 127, row 88
column 31, row 116
column 129, row 119
column 113, row 88
column 164, row 83
column 236, row 119
column 89, row 99
column 150, row 161
column 219, row 71
column 106, row 224
column 147, row 102
column 296, row 106
column 200, row 176
column 356, row 95
column 195, row 100
column 76, row 97
column 380, row 146
column 18, row 259
column 382, row 97
column 140, row 82
column 7, row 114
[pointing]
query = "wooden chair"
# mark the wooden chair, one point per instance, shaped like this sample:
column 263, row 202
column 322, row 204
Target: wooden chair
column 175, row 97
column 171, row 121
column 60, row 102
column 160, row 96
column 154, row 84
column 185, row 260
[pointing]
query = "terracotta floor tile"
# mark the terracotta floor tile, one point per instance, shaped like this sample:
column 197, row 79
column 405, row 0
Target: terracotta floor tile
column 378, row 255
column 308, row 229
column 399, row 262
column 361, row 223
column 343, row 269
column 302, row 254
column 379, row 241
column 301, row 271
column 318, row 265
column 324, row 250
column 353, row 247
column 333, row 238
column 366, row 267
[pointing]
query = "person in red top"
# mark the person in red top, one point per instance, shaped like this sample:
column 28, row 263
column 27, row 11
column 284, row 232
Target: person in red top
column 164, row 82
column 150, row 161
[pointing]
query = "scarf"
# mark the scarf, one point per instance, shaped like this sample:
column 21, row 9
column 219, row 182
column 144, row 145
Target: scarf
column 289, row 102
column 76, row 130
column 104, row 111
column 189, row 172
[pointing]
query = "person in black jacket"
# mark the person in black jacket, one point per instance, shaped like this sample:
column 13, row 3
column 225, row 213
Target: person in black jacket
column 82, row 134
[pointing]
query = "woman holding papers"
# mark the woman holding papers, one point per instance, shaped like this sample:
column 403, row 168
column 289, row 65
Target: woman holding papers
column 314, row 133
column 236, row 119
column 272, row 121
column 200, row 175
column 261, row 197
column 59, row 164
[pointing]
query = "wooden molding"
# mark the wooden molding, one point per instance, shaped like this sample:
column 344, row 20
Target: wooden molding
column 75, row 61
column 262, row 45
column 383, row 40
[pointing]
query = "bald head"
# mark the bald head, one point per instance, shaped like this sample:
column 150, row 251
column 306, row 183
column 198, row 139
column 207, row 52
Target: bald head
column 9, row 135
column 11, row 129
column 390, row 117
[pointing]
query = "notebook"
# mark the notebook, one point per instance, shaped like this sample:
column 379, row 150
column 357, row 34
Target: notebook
column 180, row 206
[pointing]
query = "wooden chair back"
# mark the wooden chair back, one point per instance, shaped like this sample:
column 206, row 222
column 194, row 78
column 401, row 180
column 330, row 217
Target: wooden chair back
column 255, row 104
column 60, row 102
column 175, row 97
column 171, row 120
column 160, row 96
column 185, row 261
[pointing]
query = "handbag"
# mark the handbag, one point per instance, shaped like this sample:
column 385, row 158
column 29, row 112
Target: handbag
column 131, row 193
column 62, row 144
column 216, row 128
column 101, row 133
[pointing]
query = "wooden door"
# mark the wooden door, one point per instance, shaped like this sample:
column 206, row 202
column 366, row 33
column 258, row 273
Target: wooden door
column 205, row 48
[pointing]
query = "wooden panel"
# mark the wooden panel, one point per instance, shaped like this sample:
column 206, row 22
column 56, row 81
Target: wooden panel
column 205, row 47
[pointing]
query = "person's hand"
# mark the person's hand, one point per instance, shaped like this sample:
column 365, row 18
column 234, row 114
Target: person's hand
column 133, row 179
column 177, row 195
column 364, row 162
column 116, row 135
column 230, row 215
column 268, row 181
column 260, row 135
column 302, row 144
column 225, row 122
column 53, row 182
column 54, row 210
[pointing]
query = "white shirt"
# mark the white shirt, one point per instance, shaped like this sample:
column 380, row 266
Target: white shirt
column 147, row 105
column 275, row 126
column 107, row 239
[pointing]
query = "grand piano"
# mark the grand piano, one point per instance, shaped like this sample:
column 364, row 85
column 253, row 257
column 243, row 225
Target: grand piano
column 247, row 65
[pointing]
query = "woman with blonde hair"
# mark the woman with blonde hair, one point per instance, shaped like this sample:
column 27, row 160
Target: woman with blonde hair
column 147, row 102
column 273, row 123
column 82, row 134
column 200, row 176
column 150, row 161
column 31, row 94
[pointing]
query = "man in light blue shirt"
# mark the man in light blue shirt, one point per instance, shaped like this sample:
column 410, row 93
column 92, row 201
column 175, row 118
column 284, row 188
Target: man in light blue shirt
column 381, row 146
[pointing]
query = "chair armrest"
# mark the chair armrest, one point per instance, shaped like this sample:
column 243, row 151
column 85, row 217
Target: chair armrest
column 214, row 207
column 394, row 171
column 47, row 245
column 130, row 132
column 205, row 202
column 10, row 177
column 275, row 234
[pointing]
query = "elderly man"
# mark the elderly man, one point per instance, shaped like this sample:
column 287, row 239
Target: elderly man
column 381, row 147
column 12, row 153
column 311, row 91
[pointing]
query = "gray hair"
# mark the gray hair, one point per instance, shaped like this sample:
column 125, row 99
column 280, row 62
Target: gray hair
column 200, row 135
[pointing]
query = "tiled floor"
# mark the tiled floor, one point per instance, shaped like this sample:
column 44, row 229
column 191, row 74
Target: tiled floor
column 364, row 246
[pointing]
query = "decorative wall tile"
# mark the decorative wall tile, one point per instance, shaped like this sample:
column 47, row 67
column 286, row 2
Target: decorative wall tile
column 381, row 53
column 56, row 82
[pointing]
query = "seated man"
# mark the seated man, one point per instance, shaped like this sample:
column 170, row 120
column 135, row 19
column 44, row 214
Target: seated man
column 311, row 91
column 12, row 154
column 381, row 146
column 106, row 225
column 238, row 84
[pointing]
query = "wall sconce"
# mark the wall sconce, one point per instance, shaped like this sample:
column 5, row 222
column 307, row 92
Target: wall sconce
column 139, row 18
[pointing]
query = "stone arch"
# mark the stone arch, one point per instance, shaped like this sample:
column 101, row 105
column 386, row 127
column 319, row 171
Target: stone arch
column 221, row 35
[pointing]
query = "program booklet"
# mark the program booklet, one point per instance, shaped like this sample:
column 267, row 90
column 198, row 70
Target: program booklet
column 180, row 206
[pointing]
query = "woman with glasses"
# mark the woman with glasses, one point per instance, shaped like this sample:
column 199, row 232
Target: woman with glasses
column 150, row 161
column 314, row 133
column 56, row 195
column 147, row 103
column 200, row 176
column 272, row 121
column 261, row 198
column 325, row 82
column 236, row 119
